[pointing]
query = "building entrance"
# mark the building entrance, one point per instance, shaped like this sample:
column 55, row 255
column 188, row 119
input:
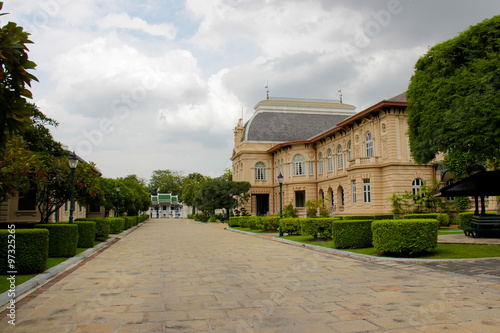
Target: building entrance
column 262, row 204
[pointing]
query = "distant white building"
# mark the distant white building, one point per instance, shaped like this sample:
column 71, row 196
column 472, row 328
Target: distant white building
column 166, row 205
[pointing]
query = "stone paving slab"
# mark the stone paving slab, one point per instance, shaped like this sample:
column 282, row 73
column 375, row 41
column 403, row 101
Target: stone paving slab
column 181, row 276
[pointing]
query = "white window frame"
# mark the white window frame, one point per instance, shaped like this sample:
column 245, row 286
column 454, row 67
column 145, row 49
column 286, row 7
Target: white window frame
column 369, row 145
column 260, row 171
column 349, row 150
column 367, row 196
column 321, row 166
column 354, row 197
column 416, row 185
column 299, row 165
column 340, row 158
column 311, row 167
column 330, row 160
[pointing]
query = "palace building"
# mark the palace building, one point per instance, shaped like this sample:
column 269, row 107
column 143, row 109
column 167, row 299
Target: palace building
column 166, row 205
column 324, row 149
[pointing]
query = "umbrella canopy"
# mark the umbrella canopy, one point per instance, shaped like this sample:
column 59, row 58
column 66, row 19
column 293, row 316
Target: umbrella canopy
column 484, row 183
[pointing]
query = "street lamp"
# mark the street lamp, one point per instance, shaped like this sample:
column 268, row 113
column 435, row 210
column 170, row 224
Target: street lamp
column 73, row 163
column 230, row 204
column 280, row 180
column 212, row 206
column 117, row 200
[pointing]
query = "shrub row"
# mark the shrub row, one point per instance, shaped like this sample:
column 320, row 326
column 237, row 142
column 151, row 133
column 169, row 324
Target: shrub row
column 405, row 236
column 31, row 250
column 368, row 217
column 63, row 238
column 442, row 218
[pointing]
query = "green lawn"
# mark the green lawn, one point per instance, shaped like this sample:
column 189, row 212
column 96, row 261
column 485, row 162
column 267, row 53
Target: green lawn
column 442, row 251
column 51, row 262
column 254, row 231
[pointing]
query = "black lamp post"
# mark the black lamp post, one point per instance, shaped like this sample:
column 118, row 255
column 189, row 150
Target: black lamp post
column 280, row 181
column 212, row 206
column 230, row 204
column 117, row 200
column 73, row 163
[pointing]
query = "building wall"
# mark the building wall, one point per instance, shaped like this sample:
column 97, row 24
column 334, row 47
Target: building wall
column 389, row 170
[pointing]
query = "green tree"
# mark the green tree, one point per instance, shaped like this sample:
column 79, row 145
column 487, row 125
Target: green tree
column 454, row 96
column 135, row 197
column 19, row 168
column 166, row 181
column 14, row 78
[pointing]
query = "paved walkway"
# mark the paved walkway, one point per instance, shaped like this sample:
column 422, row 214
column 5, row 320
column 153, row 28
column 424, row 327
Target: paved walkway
column 182, row 276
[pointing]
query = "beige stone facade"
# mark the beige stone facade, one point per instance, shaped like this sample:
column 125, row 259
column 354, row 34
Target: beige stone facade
column 356, row 164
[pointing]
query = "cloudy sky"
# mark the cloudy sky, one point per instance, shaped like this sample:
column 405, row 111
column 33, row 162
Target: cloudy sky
column 138, row 86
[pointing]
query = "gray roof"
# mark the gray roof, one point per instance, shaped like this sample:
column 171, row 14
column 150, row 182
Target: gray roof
column 288, row 126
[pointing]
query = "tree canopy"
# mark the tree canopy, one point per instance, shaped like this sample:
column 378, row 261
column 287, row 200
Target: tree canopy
column 14, row 79
column 454, row 96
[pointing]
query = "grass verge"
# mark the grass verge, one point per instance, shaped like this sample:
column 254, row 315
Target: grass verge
column 442, row 251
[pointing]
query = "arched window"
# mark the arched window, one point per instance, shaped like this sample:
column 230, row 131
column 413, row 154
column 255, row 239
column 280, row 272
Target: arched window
column 349, row 150
column 320, row 164
column 299, row 165
column 340, row 158
column 260, row 171
column 369, row 145
column 330, row 160
column 416, row 185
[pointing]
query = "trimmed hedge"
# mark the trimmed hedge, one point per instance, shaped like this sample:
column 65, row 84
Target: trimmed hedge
column 31, row 250
column 130, row 221
column 464, row 219
column 86, row 233
column 102, row 227
column 352, row 234
column 405, row 236
column 318, row 227
column 443, row 218
column 268, row 223
column 63, row 238
column 116, row 224
column 292, row 225
column 368, row 217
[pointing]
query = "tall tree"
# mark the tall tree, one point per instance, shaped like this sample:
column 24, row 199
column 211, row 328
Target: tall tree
column 14, row 79
column 454, row 97
column 166, row 181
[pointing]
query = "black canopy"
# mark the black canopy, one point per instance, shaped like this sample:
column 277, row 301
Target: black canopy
column 481, row 184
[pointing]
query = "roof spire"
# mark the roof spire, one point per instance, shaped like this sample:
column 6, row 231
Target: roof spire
column 340, row 91
column 267, row 87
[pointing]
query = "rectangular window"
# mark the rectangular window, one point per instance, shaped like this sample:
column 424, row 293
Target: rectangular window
column 299, row 168
column 366, row 191
column 27, row 201
column 354, row 199
column 320, row 167
column 300, row 198
column 311, row 168
column 330, row 163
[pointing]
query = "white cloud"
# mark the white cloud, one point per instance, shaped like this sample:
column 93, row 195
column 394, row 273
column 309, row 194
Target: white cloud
column 124, row 21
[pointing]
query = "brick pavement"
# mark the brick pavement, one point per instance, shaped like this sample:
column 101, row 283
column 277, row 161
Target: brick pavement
column 182, row 276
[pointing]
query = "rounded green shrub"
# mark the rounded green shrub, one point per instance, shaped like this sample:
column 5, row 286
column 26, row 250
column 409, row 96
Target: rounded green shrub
column 31, row 250
column 292, row 225
column 63, row 238
column 352, row 234
column 268, row 223
column 443, row 218
column 405, row 236
column 116, row 224
column 234, row 221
